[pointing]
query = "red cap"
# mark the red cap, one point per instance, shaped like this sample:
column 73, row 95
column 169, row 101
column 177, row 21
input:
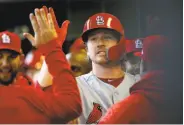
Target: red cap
column 11, row 41
column 155, row 49
column 33, row 59
column 102, row 20
column 110, row 22
column 134, row 45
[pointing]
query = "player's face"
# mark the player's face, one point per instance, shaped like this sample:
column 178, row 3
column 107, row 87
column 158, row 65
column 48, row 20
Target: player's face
column 10, row 62
column 79, row 63
column 98, row 42
column 132, row 64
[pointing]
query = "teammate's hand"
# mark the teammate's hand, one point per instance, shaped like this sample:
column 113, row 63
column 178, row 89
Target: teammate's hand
column 43, row 26
column 61, row 32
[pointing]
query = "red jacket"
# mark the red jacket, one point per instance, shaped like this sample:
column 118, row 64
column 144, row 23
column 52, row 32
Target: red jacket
column 148, row 103
column 28, row 105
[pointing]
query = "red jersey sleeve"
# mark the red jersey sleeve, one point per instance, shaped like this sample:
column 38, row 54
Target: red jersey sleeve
column 64, row 101
column 135, row 109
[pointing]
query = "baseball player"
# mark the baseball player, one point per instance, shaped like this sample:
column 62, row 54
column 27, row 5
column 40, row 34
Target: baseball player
column 132, row 61
column 33, row 63
column 11, row 60
column 27, row 104
column 150, row 102
column 106, row 84
column 79, row 62
column 77, row 58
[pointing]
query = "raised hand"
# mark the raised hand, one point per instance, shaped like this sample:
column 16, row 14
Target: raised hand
column 61, row 31
column 43, row 26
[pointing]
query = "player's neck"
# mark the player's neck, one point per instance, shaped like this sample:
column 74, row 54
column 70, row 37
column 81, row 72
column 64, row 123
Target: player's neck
column 107, row 72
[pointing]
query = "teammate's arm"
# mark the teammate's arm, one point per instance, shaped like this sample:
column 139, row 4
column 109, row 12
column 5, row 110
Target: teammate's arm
column 64, row 102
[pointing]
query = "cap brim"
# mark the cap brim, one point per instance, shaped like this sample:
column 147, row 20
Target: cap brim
column 9, row 48
column 86, row 34
column 137, row 54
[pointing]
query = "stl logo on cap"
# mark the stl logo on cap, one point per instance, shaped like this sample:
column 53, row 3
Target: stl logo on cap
column 99, row 20
column 138, row 44
column 5, row 38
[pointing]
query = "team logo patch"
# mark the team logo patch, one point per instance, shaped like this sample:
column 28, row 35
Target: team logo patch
column 5, row 38
column 138, row 44
column 95, row 114
column 99, row 20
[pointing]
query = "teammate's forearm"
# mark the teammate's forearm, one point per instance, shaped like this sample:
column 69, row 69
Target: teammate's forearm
column 68, row 103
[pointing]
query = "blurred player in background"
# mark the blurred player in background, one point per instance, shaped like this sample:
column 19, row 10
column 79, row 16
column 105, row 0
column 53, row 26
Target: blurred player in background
column 77, row 58
column 33, row 63
column 132, row 61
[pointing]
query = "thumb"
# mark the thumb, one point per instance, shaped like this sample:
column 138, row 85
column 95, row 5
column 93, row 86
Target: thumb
column 63, row 31
column 65, row 24
column 30, row 38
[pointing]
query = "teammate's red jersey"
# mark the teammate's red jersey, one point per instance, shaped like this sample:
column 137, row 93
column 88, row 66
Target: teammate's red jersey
column 147, row 104
column 27, row 104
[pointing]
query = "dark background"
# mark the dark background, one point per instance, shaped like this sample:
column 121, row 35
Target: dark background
column 139, row 17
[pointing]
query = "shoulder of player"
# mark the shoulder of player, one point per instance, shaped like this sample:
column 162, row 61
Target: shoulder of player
column 129, row 79
column 129, row 76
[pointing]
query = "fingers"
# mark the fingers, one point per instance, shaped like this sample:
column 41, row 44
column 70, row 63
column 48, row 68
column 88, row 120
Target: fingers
column 51, row 23
column 46, row 10
column 43, row 27
column 54, row 19
column 43, row 15
column 65, row 24
column 39, row 17
column 64, row 28
column 30, row 38
column 34, row 23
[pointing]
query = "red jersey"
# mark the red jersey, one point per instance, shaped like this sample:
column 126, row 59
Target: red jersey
column 28, row 105
column 148, row 103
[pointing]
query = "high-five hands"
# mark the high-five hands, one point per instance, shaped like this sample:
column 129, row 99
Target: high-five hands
column 43, row 26
column 61, row 31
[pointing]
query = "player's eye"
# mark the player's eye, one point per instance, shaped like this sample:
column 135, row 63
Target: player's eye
column 93, row 39
column 75, row 68
column 13, row 56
